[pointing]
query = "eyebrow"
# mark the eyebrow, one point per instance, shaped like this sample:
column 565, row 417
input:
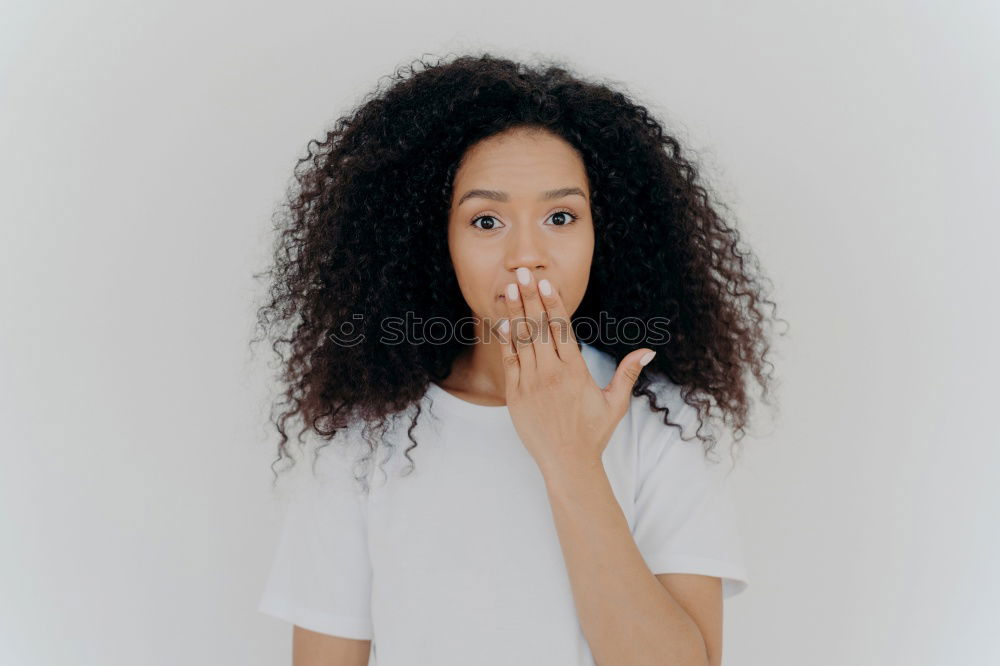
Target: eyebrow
column 495, row 195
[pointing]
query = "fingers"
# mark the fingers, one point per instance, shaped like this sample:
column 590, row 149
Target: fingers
column 560, row 330
column 520, row 332
column 538, row 320
column 511, row 363
column 619, row 390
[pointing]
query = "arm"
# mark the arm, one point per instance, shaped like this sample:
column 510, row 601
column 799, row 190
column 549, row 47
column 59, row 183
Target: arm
column 701, row 597
column 627, row 615
column 310, row 648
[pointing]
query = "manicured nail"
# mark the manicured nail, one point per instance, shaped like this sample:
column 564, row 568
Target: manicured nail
column 523, row 275
column 545, row 287
column 511, row 292
column 504, row 326
column 647, row 358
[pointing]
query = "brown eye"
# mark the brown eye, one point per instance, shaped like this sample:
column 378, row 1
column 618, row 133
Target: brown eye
column 488, row 220
column 561, row 215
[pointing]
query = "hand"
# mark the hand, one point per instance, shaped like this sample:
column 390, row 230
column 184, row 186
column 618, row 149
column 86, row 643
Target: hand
column 560, row 413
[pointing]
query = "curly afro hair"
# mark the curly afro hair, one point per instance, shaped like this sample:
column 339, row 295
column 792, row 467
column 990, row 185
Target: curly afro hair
column 364, row 230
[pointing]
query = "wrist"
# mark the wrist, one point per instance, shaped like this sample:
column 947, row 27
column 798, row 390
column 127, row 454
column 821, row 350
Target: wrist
column 572, row 470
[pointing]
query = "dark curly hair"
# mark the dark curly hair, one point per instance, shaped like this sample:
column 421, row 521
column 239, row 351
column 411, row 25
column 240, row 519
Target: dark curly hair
column 364, row 230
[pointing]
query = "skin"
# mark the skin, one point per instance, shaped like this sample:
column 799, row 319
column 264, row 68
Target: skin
column 500, row 251
column 523, row 231
column 311, row 648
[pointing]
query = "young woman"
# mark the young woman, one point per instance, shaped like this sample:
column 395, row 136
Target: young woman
column 517, row 270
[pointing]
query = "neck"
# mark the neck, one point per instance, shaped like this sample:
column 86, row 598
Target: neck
column 478, row 372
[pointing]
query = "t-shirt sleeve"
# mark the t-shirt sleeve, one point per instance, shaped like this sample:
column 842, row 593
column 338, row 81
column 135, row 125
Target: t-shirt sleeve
column 320, row 577
column 684, row 516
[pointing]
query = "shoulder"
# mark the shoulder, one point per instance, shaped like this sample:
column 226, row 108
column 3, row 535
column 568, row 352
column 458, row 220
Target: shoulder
column 667, row 394
column 668, row 437
column 323, row 466
column 647, row 424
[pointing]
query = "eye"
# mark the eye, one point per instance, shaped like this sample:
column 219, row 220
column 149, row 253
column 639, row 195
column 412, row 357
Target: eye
column 491, row 220
column 564, row 214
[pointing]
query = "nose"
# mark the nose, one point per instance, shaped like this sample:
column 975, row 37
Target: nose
column 525, row 247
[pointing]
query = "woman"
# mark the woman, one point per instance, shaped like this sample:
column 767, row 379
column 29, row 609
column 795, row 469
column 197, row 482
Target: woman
column 526, row 257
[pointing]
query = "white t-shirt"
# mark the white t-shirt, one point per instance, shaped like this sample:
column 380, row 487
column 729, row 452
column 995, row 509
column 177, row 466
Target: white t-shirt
column 459, row 561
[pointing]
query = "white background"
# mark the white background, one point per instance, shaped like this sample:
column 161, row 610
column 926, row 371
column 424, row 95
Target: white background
column 144, row 145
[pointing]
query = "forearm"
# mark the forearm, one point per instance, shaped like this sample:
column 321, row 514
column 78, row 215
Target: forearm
column 627, row 616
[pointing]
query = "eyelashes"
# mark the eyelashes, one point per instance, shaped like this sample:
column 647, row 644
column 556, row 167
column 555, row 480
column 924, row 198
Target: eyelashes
column 562, row 211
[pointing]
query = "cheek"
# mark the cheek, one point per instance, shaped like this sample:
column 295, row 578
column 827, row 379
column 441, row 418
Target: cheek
column 473, row 268
column 580, row 259
column 577, row 257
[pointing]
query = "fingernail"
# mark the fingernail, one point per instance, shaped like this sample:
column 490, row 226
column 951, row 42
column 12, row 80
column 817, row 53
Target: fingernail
column 504, row 326
column 545, row 287
column 512, row 292
column 523, row 275
column 647, row 358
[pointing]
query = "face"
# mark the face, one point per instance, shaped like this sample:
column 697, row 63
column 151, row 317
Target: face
column 520, row 199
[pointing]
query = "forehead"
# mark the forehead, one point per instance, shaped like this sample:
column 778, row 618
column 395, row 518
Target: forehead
column 520, row 161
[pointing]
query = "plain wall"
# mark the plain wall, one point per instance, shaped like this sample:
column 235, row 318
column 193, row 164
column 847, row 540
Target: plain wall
column 144, row 146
